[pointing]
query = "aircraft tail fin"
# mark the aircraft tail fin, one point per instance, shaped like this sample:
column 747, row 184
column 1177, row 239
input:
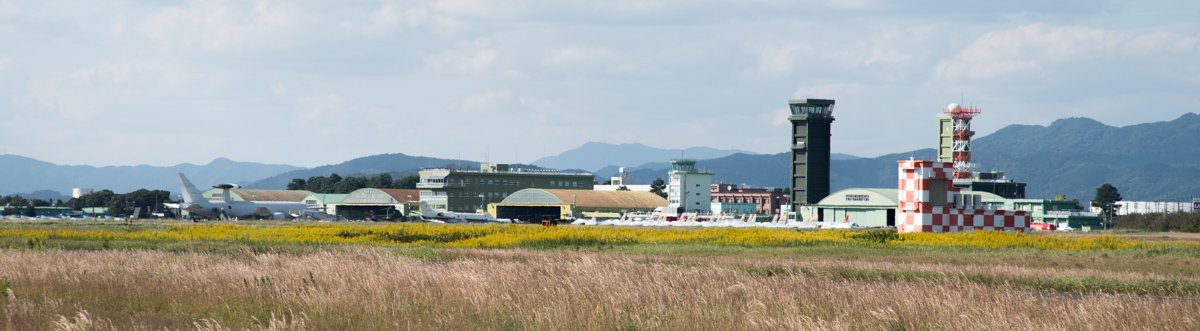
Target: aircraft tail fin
column 427, row 210
column 190, row 194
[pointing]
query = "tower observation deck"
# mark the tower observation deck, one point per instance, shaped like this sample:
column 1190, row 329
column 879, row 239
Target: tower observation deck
column 961, row 150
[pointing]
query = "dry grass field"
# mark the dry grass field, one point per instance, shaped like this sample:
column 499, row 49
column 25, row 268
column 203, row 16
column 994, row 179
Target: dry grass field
column 55, row 283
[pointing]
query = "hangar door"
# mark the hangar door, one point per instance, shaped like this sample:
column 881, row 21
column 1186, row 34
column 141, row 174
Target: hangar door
column 529, row 213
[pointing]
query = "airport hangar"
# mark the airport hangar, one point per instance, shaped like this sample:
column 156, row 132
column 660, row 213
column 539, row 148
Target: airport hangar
column 876, row 207
column 375, row 204
column 366, row 203
column 867, row 207
column 534, row 204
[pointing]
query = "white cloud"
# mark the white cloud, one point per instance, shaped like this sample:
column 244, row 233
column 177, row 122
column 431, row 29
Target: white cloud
column 478, row 8
column 220, row 25
column 779, row 117
column 324, row 115
column 1033, row 49
column 391, row 15
column 485, row 101
column 469, row 57
column 566, row 56
column 830, row 91
column 778, row 60
column 572, row 70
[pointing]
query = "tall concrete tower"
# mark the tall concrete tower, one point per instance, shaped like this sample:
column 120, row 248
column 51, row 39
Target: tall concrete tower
column 811, row 119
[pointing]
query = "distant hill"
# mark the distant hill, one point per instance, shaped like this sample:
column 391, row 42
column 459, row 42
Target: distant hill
column 840, row 156
column 23, row 174
column 1071, row 157
column 46, row 195
column 398, row 165
column 1151, row 161
column 594, row 156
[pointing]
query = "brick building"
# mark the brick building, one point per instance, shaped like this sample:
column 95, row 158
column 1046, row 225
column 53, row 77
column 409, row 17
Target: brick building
column 768, row 199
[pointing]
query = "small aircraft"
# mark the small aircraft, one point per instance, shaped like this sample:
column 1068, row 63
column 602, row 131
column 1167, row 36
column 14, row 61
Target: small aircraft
column 430, row 214
column 196, row 204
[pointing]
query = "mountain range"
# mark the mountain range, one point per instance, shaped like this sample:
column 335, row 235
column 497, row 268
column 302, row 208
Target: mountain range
column 398, row 165
column 593, row 156
column 22, row 174
column 1071, row 157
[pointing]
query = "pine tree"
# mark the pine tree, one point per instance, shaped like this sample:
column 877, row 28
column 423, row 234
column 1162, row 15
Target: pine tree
column 1106, row 199
column 659, row 187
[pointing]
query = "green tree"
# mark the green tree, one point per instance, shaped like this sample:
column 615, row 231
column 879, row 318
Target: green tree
column 297, row 184
column 1106, row 199
column 622, row 188
column 659, row 187
column 409, row 182
column 384, row 180
column 117, row 207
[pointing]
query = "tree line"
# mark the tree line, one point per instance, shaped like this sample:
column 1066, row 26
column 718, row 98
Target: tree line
column 338, row 185
column 117, row 204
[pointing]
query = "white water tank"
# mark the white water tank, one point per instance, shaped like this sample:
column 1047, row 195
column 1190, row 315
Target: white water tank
column 78, row 192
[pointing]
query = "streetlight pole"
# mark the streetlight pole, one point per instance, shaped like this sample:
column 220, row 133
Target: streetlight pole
column 574, row 201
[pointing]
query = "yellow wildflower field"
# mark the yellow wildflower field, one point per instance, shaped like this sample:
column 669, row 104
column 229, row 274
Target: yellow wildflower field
column 511, row 236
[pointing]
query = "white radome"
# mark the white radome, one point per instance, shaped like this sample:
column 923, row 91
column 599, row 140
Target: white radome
column 953, row 106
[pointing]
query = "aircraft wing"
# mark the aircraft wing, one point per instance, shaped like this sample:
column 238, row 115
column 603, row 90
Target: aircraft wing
column 191, row 207
column 261, row 212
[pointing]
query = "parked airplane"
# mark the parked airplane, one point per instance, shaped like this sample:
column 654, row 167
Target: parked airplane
column 196, row 204
column 430, row 214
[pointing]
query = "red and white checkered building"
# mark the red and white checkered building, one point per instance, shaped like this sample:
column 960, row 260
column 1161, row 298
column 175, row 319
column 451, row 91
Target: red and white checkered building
column 929, row 202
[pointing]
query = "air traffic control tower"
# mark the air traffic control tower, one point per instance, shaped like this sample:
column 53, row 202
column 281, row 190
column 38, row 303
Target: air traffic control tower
column 811, row 119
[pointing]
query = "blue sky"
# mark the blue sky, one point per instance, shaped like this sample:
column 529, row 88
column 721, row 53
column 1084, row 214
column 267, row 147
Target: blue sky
column 313, row 83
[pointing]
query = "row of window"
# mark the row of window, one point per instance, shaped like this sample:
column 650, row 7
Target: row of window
column 482, row 181
column 499, row 195
column 468, row 208
column 743, row 200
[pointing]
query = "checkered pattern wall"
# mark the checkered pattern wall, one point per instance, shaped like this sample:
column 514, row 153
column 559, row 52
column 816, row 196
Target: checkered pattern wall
column 919, row 212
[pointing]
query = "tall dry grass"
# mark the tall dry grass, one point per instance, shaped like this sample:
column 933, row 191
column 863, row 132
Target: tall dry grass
column 374, row 288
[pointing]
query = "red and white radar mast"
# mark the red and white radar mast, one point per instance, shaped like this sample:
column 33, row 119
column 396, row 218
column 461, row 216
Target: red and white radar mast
column 962, row 139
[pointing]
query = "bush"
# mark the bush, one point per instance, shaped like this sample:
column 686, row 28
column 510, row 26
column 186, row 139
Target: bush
column 1159, row 222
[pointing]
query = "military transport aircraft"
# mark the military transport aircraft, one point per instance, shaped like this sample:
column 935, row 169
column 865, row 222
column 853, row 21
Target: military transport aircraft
column 196, row 204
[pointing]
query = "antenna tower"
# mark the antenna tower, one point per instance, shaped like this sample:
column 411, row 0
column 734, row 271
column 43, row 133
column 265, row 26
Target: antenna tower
column 962, row 139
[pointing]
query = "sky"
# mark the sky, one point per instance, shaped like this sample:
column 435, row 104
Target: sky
column 310, row 83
